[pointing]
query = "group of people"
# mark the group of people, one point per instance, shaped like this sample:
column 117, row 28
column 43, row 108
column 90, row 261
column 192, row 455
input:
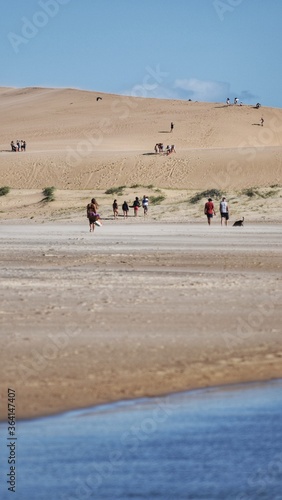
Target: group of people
column 18, row 146
column 236, row 101
column 223, row 208
column 95, row 220
column 159, row 148
column 136, row 205
column 94, row 216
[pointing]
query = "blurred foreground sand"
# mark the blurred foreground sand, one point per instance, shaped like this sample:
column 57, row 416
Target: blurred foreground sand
column 137, row 308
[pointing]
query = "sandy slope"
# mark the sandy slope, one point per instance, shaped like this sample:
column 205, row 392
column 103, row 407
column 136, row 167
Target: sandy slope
column 75, row 142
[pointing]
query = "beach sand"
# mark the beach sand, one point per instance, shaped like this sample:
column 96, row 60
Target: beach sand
column 135, row 309
column 145, row 306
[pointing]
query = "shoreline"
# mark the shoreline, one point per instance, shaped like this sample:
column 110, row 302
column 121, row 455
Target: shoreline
column 124, row 403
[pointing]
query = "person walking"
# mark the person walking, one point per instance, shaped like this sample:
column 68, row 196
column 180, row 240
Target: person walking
column 92, row 214
column 125, row 209
column 115, row 209
column 136, row 206
column 224, row 210
column 171, row 126
column 145, row 204
column 209, row 210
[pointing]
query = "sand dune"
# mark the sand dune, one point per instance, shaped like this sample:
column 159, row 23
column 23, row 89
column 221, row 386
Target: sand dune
column 77, row 142
column 142, row 306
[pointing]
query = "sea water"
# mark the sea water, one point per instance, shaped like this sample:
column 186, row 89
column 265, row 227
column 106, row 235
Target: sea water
column 221, row 443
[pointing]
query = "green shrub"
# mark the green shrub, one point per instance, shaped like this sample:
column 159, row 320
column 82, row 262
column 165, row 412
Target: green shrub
column 209, row 193
column 115, row 190
column 135, row 186
column 48, row 193
column 270, row 193
column 4, row 190
column 156, row 200
column 250, row 192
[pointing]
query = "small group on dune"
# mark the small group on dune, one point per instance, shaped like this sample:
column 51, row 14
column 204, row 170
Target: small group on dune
column 159, row 148
column 18, row 146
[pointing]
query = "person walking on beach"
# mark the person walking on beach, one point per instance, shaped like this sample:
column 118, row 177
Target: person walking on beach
column 261, row 121
column 209, row 210
column 224, row 211
column 125, row 209
column 145, row 204
column 92, row 214
column 136, row 205
column 115, row 209
column 171, row 126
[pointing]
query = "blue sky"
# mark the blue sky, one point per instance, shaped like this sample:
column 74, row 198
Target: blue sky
column 204, row 50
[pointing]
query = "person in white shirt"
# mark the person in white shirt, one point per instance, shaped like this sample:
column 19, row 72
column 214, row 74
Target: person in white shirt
column 145, row 204
column 224, row 210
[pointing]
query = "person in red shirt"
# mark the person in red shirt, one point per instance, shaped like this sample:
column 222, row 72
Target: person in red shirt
column 209, row 210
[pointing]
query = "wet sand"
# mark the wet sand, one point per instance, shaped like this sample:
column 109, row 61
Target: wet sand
column 135, row 309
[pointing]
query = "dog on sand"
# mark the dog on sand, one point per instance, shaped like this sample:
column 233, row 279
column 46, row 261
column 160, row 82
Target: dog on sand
column 239, row 222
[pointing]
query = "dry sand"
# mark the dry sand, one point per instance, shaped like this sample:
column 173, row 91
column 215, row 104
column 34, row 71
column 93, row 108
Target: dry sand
column 140, row 307
column 75, row 142
column 136, row 309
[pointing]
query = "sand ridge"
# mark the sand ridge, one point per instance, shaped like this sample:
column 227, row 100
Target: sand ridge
column 77, row 142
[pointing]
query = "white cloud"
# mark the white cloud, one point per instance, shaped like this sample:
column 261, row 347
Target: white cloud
column 190, row 88
column 158, row 91
column 203, row 90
